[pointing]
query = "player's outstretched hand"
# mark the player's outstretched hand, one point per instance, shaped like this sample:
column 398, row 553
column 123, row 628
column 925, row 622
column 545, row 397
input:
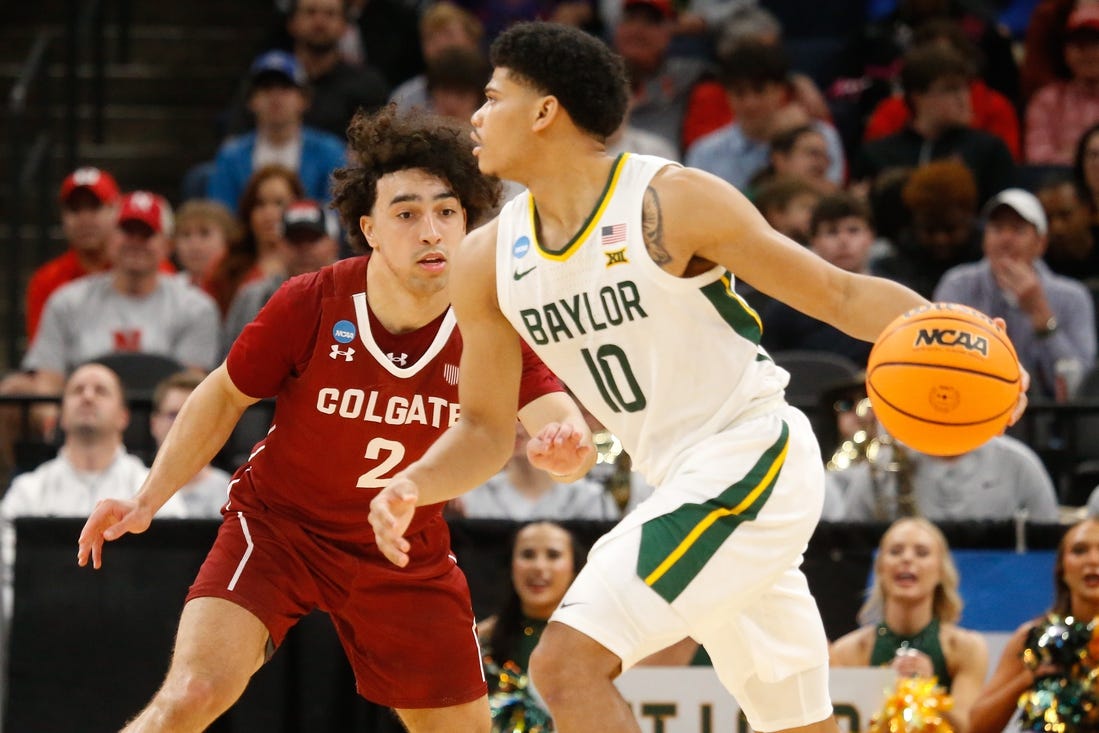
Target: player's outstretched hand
column 560, row 449
column 110, row 519
column 390, row 514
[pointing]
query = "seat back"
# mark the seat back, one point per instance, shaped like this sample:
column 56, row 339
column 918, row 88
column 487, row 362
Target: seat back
column 813, row 372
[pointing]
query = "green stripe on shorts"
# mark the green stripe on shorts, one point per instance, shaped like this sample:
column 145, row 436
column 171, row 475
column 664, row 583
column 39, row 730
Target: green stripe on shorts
column 676, row 546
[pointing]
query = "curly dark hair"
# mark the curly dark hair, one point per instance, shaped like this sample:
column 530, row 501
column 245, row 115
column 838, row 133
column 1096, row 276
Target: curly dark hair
column 389, row 141
column 587, row 77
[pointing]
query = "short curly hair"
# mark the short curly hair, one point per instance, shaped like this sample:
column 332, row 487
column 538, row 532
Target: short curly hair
column 389, row 141
column 587, row 77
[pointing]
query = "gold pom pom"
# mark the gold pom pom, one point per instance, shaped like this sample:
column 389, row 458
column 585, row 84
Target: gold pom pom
column 914, row 705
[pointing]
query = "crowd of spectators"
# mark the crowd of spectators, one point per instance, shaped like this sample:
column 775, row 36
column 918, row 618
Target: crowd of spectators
column 947, row 154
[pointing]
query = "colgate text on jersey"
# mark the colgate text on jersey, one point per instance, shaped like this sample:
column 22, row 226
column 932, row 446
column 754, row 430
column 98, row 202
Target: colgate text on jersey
column 372, row 406
column 611, row 306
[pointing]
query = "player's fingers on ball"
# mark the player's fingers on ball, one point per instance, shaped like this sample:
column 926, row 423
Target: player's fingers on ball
column 1020, row 408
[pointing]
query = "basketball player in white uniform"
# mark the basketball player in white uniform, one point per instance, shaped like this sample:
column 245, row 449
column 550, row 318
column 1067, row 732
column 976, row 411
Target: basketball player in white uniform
column 617, row 272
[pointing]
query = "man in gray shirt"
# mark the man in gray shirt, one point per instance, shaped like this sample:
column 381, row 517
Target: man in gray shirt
column 992, row 482
column 131, row 307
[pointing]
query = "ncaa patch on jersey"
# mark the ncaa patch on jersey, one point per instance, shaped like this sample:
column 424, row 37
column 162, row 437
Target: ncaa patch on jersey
column 344, row 332
column 521, row 247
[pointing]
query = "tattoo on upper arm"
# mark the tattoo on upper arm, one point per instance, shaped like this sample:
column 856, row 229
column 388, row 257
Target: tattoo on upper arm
column 652, row 227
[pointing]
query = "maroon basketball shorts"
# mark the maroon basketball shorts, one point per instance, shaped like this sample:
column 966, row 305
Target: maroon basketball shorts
column 409, row 633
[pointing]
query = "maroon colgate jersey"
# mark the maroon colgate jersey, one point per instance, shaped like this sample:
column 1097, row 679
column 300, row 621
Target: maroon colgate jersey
column 354, row 404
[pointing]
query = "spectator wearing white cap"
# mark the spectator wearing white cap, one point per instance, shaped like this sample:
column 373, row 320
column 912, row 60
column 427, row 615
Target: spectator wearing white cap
column 308, row 243
column 278, row 97
column 131, row 307
column 1050, row 318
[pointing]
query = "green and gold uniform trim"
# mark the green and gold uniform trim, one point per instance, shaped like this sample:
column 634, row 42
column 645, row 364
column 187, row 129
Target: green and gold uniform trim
column 589, row 226
column 676, row 546
column 735, row 311
column 732, row 308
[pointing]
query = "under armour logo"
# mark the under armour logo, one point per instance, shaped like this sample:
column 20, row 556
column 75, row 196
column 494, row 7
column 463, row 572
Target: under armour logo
column 348, row 354
column 401, row 360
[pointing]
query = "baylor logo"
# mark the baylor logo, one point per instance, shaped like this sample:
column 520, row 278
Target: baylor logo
column 951, row 337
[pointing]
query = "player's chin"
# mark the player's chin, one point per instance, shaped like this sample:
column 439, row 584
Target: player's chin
column 484, row 162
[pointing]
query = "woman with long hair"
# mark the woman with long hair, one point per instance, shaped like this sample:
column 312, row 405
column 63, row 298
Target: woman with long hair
column 256, row 254
column 1075, row 594
column 910, row 618
column 545, row 558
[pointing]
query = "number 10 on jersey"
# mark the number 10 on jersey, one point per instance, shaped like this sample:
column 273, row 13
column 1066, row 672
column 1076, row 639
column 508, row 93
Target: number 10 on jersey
column 611, row 371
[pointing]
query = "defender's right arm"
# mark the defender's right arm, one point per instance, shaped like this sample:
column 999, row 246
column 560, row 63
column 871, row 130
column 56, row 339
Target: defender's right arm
column 204, row 424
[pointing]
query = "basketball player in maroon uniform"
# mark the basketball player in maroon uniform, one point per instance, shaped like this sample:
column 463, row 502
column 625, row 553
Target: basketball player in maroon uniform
column 362, row 358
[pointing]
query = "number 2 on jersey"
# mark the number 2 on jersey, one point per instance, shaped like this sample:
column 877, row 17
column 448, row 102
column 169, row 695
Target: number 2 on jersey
column 376, row 477
column 606, row 379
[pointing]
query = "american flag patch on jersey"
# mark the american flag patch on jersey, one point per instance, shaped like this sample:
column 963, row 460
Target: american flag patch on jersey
column 614, row 234
column 450, row 373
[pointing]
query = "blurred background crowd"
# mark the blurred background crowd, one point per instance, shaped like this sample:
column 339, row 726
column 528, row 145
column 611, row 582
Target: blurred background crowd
column 167, row 168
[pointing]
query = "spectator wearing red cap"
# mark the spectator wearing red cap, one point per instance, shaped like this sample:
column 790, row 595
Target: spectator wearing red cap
column 1061, row 111
column 131, row 307
column 88, row 197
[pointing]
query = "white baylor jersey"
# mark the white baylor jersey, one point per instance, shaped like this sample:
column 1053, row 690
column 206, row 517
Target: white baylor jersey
column 663, row 362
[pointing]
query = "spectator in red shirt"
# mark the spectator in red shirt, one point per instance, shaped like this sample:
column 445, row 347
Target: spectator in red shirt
column 991, row 111
column 88, row 212
column 1059, row 113
column 708, row 107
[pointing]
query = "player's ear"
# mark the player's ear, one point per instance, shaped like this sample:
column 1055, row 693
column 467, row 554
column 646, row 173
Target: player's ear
column 548, row 109
column 366, row 226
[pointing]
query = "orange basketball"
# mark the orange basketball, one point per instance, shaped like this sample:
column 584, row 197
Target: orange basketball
column 943, row 379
